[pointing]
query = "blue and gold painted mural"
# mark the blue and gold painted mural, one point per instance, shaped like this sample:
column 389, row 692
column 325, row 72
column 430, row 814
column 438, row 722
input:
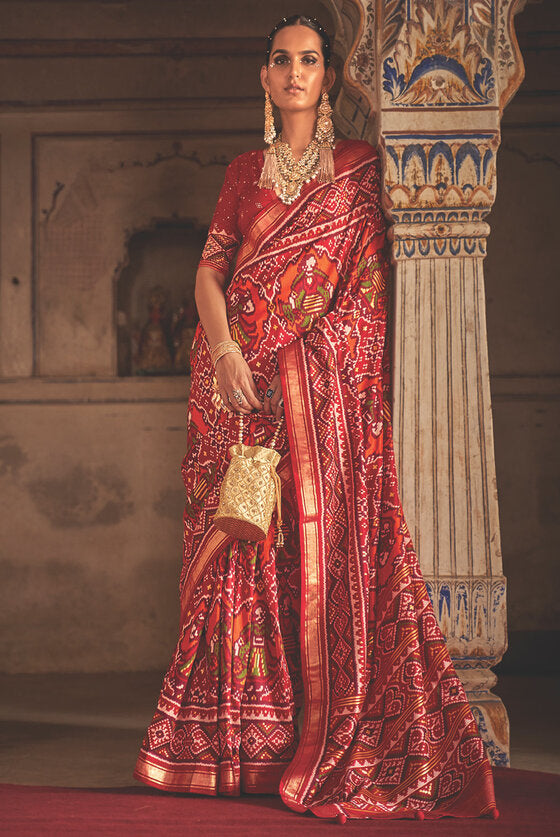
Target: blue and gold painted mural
column 436, row 58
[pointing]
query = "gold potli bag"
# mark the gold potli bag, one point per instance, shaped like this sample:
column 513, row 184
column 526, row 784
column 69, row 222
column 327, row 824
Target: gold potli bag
column 250, row 489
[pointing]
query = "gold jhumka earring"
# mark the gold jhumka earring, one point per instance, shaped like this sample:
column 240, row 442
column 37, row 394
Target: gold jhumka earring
column 324, row 134
column 281, row 171
column 269, row 126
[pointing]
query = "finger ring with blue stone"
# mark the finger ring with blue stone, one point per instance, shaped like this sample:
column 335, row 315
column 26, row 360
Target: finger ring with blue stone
column 269, row 393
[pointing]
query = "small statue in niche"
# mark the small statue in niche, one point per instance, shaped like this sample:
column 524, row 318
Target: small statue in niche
column 154, row 355
column 184, row 327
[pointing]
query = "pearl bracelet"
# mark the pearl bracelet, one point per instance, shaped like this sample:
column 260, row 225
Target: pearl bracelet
column 224, row 348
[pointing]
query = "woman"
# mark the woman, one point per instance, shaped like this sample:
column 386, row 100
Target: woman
column 337, row 621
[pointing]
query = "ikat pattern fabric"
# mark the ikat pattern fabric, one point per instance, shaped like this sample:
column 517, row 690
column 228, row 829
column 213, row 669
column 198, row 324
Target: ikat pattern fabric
column 338, row 621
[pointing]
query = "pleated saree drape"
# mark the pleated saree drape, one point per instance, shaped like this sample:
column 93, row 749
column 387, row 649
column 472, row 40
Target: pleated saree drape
column 338, row 620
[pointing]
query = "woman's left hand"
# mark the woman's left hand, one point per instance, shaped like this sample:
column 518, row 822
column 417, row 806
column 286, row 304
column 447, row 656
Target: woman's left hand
column 273, row 401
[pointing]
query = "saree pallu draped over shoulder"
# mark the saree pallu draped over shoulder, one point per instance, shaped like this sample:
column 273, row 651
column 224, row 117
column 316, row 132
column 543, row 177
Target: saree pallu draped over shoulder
column 338, row 621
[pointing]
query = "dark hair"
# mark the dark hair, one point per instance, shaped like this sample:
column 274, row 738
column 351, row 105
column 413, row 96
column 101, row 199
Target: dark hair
column 302, row 20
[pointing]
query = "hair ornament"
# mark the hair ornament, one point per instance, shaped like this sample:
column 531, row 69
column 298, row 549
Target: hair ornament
column 302, row 20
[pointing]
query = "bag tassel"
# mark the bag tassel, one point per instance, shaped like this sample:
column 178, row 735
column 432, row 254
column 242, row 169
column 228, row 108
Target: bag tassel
column 278, row 487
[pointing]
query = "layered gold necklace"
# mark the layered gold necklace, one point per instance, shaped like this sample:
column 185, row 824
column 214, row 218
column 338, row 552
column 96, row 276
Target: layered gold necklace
column 281, row 172
column 289, row 174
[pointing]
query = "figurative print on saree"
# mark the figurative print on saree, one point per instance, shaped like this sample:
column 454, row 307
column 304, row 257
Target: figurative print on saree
column 338, row 619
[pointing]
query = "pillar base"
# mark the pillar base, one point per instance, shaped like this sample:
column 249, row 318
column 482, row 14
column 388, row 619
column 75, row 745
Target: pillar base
column 489, row 712
column 471, row 611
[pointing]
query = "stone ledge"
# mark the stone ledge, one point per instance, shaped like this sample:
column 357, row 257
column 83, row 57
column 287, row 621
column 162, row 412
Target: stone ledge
column 176, row 388
column 94, row 390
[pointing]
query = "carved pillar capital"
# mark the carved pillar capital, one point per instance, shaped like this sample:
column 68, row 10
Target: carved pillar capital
column 428, row 80
column 447, row 70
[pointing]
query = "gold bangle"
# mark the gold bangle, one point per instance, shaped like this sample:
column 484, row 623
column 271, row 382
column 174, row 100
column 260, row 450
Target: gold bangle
column 224, row 348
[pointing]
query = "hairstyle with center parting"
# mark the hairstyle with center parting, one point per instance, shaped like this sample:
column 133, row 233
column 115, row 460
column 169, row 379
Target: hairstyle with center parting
column 302, row 20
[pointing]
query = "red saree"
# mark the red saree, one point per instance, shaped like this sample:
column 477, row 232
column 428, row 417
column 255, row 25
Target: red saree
column 338, row 620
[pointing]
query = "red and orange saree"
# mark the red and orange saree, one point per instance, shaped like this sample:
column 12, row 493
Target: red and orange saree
column 338, row 620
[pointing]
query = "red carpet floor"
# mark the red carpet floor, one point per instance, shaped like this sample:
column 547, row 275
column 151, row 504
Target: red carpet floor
column 529, row 804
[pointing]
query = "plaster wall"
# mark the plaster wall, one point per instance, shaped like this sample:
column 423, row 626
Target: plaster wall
column 92, row 502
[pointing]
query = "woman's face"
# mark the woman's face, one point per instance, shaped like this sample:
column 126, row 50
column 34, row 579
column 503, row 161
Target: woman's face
column 296, row 75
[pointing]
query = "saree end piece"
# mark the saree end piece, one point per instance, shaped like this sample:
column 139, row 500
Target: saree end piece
column 332, row 812
column 340, row 815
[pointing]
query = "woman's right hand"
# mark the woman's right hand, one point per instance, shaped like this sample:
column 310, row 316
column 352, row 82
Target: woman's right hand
column 234, row 375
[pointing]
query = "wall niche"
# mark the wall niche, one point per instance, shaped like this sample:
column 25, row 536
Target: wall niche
column 155, row 308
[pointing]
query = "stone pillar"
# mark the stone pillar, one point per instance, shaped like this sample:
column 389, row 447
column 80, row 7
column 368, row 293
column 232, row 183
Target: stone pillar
column 428, row 80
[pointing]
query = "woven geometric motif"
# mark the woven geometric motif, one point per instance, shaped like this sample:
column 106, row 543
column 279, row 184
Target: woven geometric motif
column 262, row 739
column 394, row 700
column 430, row 627
column 450, row 783
column 199, row 741
column 344, row 732
column 472, row 750
column 413, row 675
column 417, row 744
column 435, row 726
column 178, row 743
column 407, row 608
column 219, row 248
column 253, row 740
column 160, row 733
column 370, row 733
column 452, row 691
column 335, row 200
column 388, row 636
column 391, row 771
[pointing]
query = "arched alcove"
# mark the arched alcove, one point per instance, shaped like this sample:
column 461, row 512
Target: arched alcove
column 160, row 265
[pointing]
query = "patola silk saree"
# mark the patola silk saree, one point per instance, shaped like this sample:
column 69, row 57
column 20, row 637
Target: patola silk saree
column 335, row 628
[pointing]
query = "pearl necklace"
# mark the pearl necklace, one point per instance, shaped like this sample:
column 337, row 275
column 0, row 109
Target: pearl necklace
column 291, row 175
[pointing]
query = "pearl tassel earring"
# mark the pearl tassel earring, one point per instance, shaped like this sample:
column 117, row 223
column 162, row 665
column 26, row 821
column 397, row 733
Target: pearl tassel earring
column 269, row 174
